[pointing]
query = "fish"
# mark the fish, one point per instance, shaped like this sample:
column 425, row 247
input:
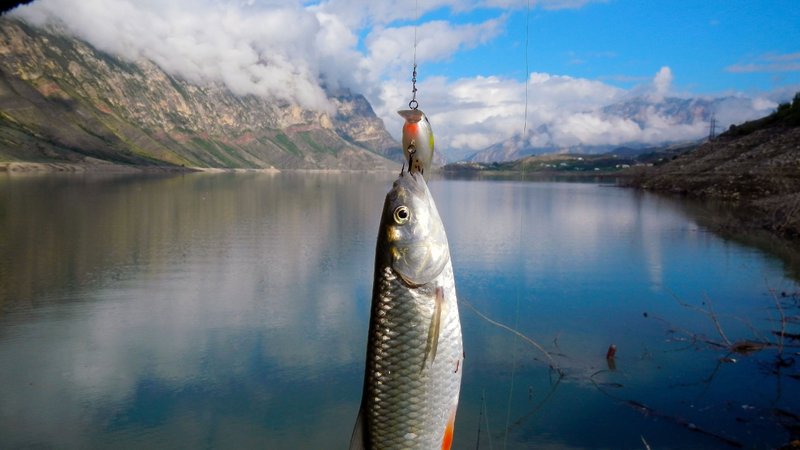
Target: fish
column 417, row 140
column 415, row 355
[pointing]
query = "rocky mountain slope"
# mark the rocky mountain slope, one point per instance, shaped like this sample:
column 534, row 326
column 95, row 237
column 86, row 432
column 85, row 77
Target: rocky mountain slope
column 61, row 100
column 756, row 164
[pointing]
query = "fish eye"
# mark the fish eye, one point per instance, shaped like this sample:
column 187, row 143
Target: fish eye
column 401, row 214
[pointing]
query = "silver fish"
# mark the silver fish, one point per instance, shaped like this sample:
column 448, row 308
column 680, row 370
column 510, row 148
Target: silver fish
column 417, row 138
column 414, row 349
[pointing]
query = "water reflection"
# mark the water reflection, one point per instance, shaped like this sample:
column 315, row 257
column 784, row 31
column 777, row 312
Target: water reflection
column 230, row 311
column 183, row 294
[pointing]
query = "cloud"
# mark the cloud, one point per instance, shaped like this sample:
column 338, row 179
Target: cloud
column 470, row 114
column 661, row 84
column 769, row 63
column 295, row 50
column 390, row 50
column 252, row 49
column 362, row 14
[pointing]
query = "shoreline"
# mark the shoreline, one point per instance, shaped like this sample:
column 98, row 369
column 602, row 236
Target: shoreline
column 531, row 175
column 42, row 168
column 749, row 211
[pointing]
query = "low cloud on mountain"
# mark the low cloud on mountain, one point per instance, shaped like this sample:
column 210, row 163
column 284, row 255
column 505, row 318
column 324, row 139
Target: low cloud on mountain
column 294, row 50
column 566, row 112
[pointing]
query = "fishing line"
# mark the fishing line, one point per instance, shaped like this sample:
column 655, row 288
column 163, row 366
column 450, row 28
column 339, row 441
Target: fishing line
column 414, row 104
column 513, row 373
column 480, row 422
column 527, row 72
column 519, row 228
column 480, row 418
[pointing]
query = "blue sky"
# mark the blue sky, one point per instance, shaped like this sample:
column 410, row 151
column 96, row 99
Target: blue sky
column 583, row 55
column 624, row 42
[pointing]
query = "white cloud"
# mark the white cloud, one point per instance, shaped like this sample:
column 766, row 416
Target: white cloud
column 390, row 50
column 290, row 49
column 282, row 51
column 769, row 63
column 473, row 113
column 470, row 114
column 360, row 13
column 661, row 84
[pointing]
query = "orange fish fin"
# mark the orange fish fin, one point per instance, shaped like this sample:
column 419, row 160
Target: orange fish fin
column 357, row 439
column 449, row 429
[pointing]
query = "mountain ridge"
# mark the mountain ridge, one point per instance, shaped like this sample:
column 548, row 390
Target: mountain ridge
column 63, row 101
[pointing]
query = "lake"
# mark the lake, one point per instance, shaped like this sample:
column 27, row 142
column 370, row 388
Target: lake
column 231, row 311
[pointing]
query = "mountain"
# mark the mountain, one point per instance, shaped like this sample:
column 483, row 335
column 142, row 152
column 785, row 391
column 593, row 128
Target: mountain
column 61, row 100
column 755, row 164
column 645, row 115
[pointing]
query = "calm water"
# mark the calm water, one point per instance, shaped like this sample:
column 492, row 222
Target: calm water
column 230, row 311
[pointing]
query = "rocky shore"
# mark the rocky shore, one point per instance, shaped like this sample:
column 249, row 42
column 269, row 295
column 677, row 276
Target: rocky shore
column 754, row 167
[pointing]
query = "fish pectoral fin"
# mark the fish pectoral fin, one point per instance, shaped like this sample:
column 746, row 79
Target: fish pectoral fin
column 433, row 329
column 357, row 439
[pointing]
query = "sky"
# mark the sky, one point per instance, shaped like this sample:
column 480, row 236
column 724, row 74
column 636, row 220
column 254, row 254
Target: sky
column 476, row 58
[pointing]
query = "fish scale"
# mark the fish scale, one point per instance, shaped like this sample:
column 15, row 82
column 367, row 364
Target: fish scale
column 413, row 365
column 402, row 392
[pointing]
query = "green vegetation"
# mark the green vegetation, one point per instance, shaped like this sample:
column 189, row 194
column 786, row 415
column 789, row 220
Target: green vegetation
column 316, row 147
column 285, row 143
column 753, row 166
column 574, row 164
column 212, row 149
column 787, row 115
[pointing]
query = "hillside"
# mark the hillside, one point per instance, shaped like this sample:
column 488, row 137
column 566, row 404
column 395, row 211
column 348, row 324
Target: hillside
column 755, row 164
column 612, row 163
column 61, row 100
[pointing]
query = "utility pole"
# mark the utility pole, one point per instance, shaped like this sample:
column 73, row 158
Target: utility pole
column 712, row 127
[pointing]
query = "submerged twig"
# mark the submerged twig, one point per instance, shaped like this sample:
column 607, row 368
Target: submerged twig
column 550, row 360
column 537, row 408
column 715, row 320
column 648, row 411
column 782, row 333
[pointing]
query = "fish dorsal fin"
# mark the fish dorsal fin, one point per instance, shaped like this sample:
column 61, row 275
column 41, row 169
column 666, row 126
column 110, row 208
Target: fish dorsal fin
column 357, row 439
